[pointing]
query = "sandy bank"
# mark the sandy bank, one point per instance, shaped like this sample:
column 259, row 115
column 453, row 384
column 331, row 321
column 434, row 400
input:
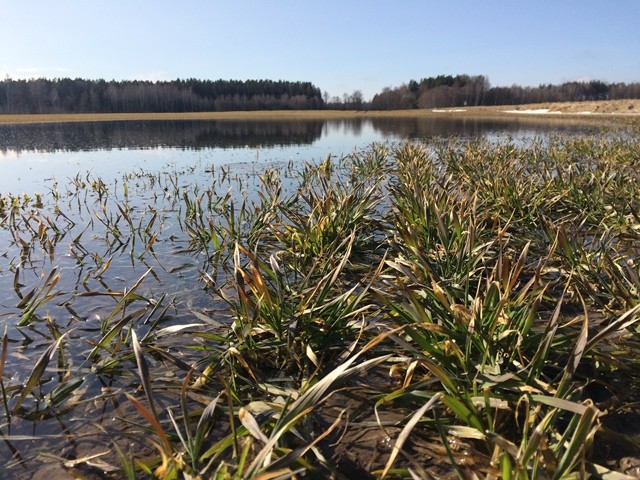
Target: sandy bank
column 602, row 107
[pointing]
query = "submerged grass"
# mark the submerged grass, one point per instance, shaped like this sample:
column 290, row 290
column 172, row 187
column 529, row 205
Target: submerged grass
column 438, row 310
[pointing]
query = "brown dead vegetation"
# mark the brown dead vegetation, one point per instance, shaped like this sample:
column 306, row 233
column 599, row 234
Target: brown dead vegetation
column 606, row 108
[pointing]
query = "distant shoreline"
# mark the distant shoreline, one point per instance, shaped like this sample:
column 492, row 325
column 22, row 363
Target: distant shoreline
column 573, row 111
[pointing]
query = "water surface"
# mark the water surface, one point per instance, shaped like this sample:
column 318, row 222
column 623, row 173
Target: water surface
column 32, row 156
column 116, row 209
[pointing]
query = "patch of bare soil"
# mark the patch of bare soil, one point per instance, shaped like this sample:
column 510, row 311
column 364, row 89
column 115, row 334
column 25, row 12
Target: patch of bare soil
column 361, row 446
column 617, row 444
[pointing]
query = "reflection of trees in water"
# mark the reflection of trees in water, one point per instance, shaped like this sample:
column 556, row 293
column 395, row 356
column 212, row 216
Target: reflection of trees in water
column 441, row 126
column 348, row 126
column 141, row 134
column 264, row 133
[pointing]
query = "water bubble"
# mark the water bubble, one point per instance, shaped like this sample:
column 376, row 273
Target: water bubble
column 384, row 444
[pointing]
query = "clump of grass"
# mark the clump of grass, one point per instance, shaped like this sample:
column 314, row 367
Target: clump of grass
column 473, row 310
column 329, row 207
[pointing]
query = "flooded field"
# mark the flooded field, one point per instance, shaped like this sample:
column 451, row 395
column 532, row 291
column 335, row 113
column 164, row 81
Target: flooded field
column 355, row 299
column 32, row 155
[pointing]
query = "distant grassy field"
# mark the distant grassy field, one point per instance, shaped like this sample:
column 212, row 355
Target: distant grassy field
column 575, row 110
column 105, row 117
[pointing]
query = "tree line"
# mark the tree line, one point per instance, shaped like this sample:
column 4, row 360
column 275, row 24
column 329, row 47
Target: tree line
column 67, row 95
column 446, row 91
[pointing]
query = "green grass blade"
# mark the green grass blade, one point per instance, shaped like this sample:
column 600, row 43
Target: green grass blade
column 143, row 371
column 579, row 442
column 37, row 372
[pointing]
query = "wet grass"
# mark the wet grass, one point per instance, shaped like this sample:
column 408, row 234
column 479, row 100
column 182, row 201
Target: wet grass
column 450, row 309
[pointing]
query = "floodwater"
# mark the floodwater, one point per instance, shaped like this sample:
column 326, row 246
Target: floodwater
column 98, row 218
column 33, row 156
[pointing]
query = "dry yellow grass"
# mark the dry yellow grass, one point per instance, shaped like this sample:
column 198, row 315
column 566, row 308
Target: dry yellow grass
column 106, row 117
column 604, row 108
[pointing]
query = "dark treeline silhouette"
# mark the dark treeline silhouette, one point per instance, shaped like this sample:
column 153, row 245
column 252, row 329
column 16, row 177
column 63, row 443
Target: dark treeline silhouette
column 434, row 92
column 67, row 95
column 446, row 91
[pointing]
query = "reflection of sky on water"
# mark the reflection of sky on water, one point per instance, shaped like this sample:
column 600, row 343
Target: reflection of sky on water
column 31, row 171
column 31, row 157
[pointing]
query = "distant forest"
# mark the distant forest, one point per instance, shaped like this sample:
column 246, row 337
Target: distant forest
column 99, row 96
column 67, row 95
column 445, row 91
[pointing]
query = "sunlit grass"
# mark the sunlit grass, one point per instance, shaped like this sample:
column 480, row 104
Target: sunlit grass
column 455, row 307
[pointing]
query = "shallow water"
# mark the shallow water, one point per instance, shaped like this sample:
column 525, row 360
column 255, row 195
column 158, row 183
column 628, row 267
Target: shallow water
column 109, row 191
column 33, row 156
column 107, row 188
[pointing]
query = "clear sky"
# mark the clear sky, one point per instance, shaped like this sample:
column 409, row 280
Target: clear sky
column 339, row 45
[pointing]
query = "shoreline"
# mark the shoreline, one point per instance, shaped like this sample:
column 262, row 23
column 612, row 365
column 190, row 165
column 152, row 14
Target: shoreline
column 573, row 111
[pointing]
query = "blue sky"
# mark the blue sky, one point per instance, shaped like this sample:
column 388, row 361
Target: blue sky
column 339, row 45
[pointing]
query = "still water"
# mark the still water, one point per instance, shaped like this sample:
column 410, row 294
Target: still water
column 33, row 156
column 113, row 243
